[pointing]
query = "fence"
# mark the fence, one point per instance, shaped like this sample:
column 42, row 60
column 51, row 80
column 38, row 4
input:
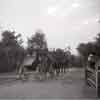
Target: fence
column 92, row 76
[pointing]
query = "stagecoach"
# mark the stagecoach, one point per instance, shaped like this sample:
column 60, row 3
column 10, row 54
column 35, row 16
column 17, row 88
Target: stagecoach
column 32, row 63
column 43, row 60
column 26, row 66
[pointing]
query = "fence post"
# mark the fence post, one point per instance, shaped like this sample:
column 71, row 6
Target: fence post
column 98, row 84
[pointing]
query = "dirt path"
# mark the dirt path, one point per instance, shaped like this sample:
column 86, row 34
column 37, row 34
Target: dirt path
column 72, row 86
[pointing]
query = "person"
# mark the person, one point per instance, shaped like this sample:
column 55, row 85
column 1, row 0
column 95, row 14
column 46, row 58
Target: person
column 90, row 64
column 91, row 61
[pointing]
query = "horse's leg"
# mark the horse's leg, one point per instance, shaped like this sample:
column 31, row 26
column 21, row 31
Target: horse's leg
column 55, row 69
column 40, row 71
column 51, row 70
column 61, row 68
column 58, row 69
column 64, row 68
column 20, row 72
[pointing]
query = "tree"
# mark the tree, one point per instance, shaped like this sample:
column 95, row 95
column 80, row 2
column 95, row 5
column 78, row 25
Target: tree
column 12, row 49
column 37, row 41
column 85, row 49
column 76, row 61
column 97, row 44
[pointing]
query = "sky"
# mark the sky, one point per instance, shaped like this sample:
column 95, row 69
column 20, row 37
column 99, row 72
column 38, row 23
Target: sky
column 64, row 22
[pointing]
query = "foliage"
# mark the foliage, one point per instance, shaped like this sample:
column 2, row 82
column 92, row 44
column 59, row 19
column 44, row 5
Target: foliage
column 37, row 41
column 85, row 49
column 76, row 61
column 11, row 51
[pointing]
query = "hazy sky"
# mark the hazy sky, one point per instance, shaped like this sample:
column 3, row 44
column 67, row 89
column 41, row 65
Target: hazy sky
column 65, row 22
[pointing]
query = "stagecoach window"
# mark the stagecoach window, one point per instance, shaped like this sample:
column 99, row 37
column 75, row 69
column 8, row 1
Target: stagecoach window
column 99, row 67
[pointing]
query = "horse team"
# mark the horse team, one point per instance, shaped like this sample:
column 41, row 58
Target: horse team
column 47, row 62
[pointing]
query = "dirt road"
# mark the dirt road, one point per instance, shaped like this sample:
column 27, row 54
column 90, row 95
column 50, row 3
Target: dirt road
column 72, row 86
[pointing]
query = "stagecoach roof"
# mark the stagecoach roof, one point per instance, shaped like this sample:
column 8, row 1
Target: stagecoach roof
column 28, row 60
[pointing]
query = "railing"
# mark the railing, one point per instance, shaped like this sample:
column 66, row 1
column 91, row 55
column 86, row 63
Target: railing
column 92, row 77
